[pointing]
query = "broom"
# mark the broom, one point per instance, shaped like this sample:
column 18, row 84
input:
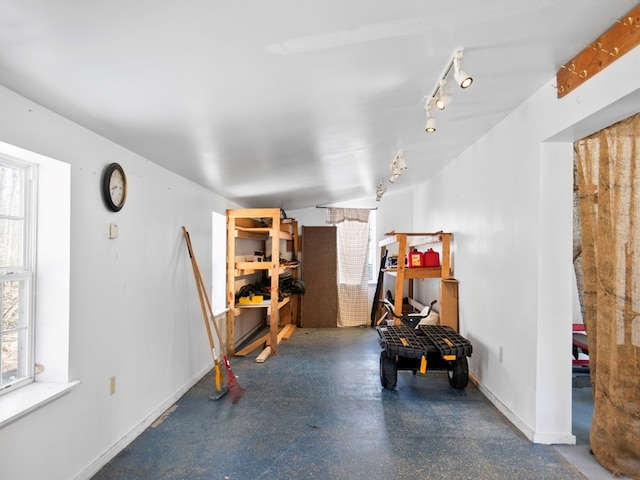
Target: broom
column 235, row 390
column 218, row 376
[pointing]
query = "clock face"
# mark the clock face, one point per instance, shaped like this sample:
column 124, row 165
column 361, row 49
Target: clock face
column 114, row 187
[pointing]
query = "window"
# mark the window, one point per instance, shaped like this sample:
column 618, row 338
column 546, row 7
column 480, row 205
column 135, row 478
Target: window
column 17, row 218
column 219, row 262
column 373, row 260
column 41, row 334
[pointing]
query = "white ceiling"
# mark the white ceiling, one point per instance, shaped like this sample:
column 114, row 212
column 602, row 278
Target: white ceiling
column 289, row 103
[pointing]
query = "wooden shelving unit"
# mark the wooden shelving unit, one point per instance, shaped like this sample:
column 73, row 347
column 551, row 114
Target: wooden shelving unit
column 448, row 301
column 263, row 225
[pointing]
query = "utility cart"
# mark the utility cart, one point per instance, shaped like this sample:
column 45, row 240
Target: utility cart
column 436, row 347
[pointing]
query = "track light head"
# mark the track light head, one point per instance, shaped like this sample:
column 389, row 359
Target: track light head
column 399, row 163
column 431, row 121
column 431, row 124
column 443, row 99
column 380, row 190
column 462, row 78
column 398, row 166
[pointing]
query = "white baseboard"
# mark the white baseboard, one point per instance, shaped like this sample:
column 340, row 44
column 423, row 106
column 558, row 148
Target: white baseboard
column 544, row 438
column 120, row 445
column 532, row 435
column 554, row 438
column 512, row 417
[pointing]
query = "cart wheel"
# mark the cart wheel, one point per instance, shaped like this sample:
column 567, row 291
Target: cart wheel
column 458, row 373
column 388, row 371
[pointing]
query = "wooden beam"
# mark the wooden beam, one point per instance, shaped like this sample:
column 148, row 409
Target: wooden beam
column 621, row 38
column 284, row 334
column 252, row 346
column 287, row 331
column 264, row 355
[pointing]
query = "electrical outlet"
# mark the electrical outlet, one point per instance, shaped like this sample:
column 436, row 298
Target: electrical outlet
column 112, row 385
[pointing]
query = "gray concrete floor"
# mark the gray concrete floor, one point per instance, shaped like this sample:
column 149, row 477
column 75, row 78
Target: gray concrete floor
column 317, row 411
column 580, row 454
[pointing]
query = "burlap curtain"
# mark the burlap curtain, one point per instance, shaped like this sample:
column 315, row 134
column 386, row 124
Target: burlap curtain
column 609, row 212
column 352, row 226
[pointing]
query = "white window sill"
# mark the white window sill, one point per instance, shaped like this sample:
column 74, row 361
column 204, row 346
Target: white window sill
column 29, row 398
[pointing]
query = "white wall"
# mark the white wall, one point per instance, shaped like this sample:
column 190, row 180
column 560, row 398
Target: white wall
column 394, row 212
column 134, row 312
column 508, row 201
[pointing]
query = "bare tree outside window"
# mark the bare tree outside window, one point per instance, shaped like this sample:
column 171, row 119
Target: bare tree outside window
column 15, row 277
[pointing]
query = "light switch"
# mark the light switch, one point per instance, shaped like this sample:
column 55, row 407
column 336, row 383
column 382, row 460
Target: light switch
column 113, row 230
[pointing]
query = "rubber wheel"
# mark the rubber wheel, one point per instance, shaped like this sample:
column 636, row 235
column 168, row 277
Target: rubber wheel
column 388, row 371
column 458, row 372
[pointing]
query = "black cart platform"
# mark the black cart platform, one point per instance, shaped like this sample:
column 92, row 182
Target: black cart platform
column 433, row 347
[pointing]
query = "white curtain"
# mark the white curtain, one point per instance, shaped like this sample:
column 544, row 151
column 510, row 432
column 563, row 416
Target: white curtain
column 352, row 225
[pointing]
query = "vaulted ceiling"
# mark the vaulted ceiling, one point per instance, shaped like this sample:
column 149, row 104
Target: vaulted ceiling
column 289, row 103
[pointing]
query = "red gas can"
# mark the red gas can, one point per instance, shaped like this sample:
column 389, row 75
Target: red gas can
column 415, row 259
column 430, row 258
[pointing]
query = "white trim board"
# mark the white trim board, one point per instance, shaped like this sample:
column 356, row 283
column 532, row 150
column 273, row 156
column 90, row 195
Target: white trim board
column 135, row 432
column 533, row 436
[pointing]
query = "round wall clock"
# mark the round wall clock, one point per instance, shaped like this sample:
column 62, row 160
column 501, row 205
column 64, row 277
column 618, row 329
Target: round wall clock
column 114, row 187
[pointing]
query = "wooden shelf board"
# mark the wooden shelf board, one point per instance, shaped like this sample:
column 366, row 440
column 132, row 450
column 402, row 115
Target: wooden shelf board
column 252, row 266
column 250, row 234
column 263, row 304
column 286, row 268
column 416, row 272
column 413, row 239
column 260, row 233
column 253, row 212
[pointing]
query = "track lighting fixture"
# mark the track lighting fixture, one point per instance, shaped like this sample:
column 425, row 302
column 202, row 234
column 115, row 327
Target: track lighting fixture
column 381, row 188
column 440, row 97
column 462, row 77
column 397, row 166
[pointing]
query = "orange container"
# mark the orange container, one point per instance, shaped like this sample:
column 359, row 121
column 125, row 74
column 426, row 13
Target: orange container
column 430, row 258
column 415, row 259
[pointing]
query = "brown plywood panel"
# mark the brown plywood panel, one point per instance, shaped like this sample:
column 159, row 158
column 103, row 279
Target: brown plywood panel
column 449, row 303
column 319, row 272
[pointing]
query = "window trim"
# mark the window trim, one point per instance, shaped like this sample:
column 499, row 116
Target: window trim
column 53, row 261
column 373, row 259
